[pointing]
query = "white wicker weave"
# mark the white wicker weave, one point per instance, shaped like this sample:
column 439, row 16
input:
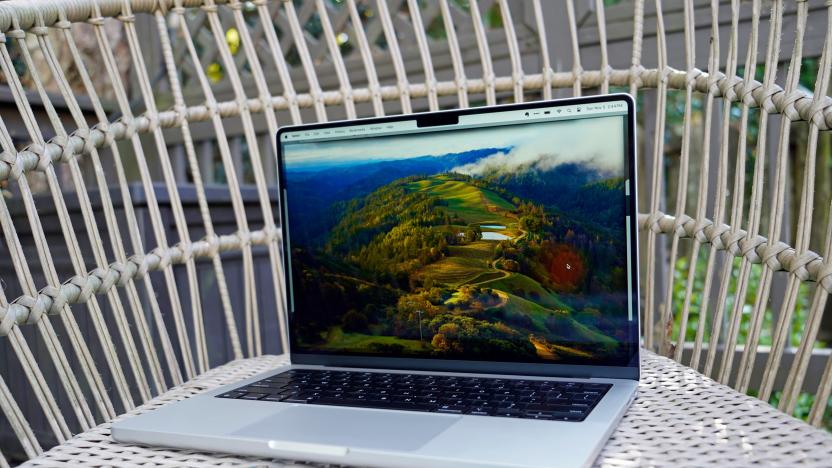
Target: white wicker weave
column 104, row 307
column 679, row 418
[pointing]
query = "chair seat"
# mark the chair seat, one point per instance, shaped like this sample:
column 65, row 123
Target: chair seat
column 679, row 418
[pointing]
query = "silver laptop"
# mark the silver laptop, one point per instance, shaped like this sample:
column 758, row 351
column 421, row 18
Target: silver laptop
column 462, row 291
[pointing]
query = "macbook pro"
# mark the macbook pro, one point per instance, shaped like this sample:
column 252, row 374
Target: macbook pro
column 461, row 291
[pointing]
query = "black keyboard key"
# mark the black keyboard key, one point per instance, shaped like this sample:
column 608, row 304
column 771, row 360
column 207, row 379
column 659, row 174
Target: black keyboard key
column 259, row 385
column 456, row 409
column 482, row 410
column 295, row 399
column 375, row 404
column 558, row 401
column 539, row 414
column 252, row 396
column 508, row 405
column 453, row 401
column 598, row 387
column 509, row 412
column 569, row 416
column 232, row 394
column 250, row 389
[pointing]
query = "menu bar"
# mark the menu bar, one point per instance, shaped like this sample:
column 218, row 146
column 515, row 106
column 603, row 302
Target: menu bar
column 511, row 117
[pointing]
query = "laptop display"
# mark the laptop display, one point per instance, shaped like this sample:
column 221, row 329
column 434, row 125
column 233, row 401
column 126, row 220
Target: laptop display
column 503, row 236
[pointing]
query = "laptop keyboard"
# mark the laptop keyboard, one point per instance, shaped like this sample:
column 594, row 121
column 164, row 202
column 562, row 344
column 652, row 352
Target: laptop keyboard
column 516, row 398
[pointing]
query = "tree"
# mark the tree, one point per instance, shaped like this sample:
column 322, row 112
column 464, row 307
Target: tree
column 510, row 265
column 354, row 321
column 566, row 267
column 440, row 342
column 473, row 233
column 449, row 329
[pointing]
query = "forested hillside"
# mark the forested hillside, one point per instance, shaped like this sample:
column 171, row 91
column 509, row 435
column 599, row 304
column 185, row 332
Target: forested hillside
column 452, row 264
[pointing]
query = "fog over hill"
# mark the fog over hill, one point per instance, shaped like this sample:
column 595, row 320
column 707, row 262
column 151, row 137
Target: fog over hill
column 595, row 144
column 524, row 159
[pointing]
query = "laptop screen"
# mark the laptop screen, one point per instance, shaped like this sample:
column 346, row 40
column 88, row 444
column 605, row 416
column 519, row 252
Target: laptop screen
column 504, row 236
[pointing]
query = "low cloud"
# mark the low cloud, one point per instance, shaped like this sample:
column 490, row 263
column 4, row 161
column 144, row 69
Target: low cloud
column 596, row 143
column 528, row 158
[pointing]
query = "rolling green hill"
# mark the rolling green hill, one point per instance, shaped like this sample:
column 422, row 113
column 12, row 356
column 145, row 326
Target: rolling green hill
column 478, row 249
column 553, row 323
column 517, row 282
column 455, row 271
column 473, row 204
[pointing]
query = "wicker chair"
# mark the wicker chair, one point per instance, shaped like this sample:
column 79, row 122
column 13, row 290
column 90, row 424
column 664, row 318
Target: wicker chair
column 122, row 247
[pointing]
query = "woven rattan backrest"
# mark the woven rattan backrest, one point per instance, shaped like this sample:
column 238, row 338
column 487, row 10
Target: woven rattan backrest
column 114, row 276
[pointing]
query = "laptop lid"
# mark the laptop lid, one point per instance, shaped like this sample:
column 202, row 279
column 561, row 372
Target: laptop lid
column 498, row 239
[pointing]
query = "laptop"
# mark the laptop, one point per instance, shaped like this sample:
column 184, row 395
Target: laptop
column 462, row 290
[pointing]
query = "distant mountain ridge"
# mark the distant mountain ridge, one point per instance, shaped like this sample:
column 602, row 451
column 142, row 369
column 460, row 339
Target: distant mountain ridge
column 427, row 163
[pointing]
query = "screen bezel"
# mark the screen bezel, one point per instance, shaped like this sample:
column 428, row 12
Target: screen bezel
column 629, row 371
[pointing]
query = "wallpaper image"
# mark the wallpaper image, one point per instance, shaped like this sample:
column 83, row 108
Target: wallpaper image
column 503, row 243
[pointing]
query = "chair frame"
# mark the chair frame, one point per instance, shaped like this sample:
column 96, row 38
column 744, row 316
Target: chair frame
column 145, row 357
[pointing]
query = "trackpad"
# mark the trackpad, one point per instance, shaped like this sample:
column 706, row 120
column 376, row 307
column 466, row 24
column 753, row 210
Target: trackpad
column 350, row 427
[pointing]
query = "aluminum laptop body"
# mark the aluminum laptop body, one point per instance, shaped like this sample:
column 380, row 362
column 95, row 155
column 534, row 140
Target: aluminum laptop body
column 444, row 253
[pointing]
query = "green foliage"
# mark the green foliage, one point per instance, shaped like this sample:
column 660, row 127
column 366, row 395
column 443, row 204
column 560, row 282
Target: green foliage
column 805, row 400
column 809, row 72
column 459, row 333
column 473, row 233
column 494, row 17
column 680, row 281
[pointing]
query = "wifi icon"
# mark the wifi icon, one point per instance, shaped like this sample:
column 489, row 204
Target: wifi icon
column 558, row 111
